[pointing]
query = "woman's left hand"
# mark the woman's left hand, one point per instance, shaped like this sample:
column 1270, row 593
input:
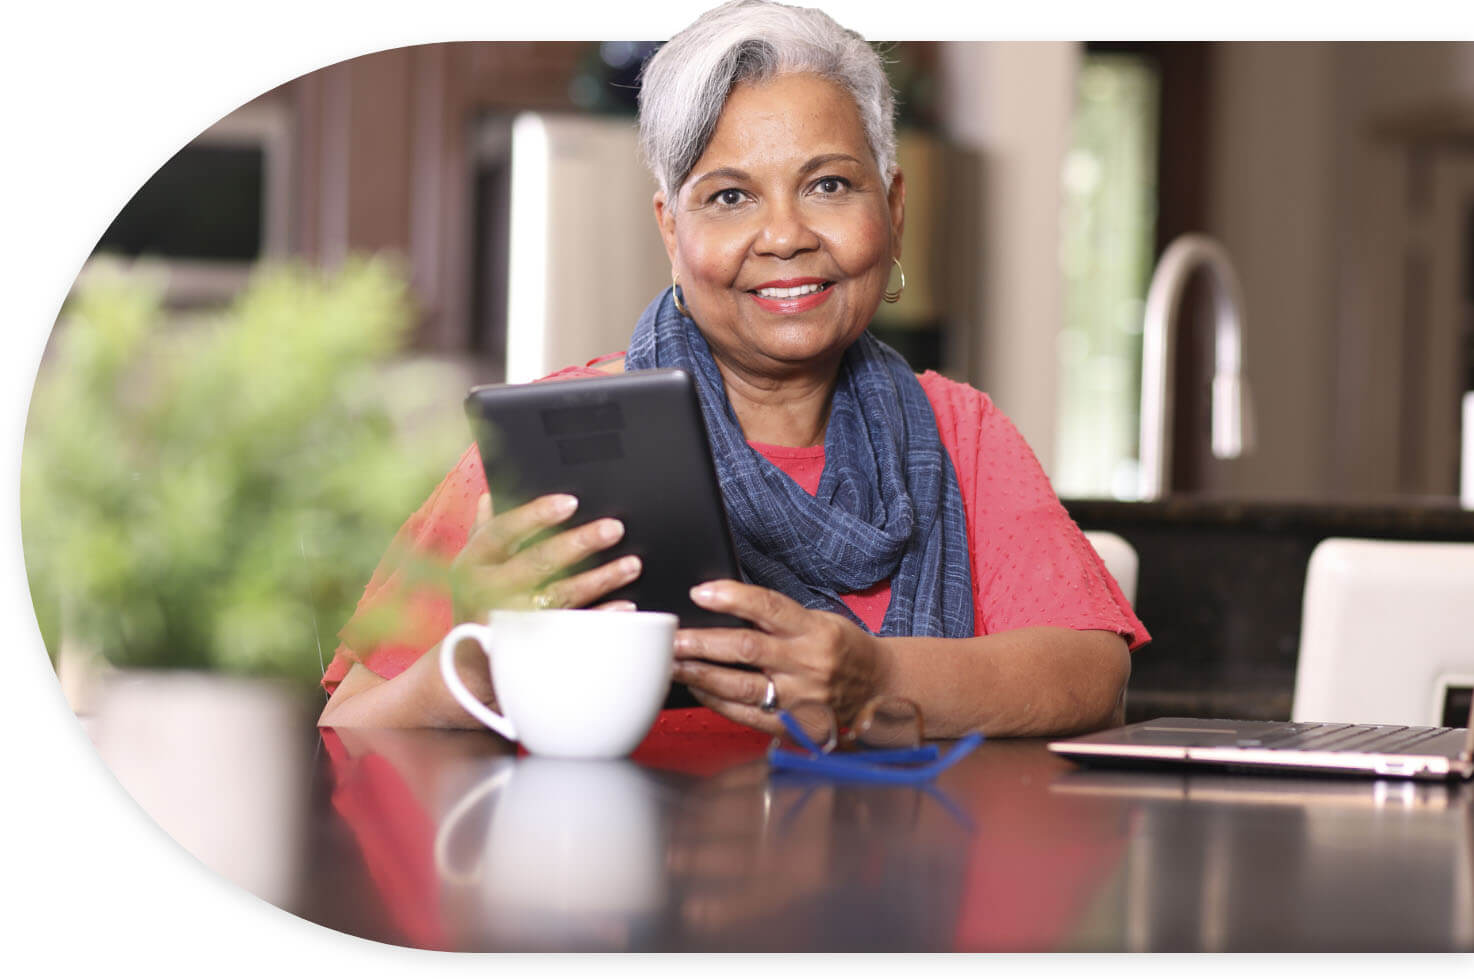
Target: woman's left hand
column 809, row 655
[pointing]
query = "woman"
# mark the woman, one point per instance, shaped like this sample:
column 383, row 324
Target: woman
column 900, row 536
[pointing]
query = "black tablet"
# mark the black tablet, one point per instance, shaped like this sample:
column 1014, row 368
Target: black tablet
column 631, row 446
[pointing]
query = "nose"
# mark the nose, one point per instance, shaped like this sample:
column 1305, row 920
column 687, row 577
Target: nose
column 785, row 231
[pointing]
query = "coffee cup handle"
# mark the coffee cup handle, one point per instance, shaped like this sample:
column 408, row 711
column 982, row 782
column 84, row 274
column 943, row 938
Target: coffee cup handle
column 481, row 634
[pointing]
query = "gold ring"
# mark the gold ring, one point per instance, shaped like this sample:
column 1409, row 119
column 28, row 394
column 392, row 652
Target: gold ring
column 542, row 601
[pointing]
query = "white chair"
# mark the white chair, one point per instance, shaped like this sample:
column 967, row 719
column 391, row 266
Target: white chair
column 1119, row 558
column 1385, row 631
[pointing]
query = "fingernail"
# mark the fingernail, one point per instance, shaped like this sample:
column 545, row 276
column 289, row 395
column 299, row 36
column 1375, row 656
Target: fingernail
column 622, row 606
column 629, row 566
column 610, row 530
column 564, row 505
column 703, row 593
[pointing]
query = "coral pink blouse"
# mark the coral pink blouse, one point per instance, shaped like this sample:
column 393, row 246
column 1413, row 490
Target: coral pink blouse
column 1031, row 565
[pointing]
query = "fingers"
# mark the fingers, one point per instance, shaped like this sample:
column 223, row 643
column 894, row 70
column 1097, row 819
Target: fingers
column 619, row 606
column 811, row 655
column 739, row 647
column 738, row 686
column 536, row 576
column 770, row 611
column 503, row 565
column 741, row 713
column 534, row 566
column 584, row 589
column 499, row 537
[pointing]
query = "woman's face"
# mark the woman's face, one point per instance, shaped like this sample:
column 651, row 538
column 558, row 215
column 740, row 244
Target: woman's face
column 783, row 234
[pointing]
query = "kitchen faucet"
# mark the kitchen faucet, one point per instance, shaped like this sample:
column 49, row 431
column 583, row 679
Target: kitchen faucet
column 1232, row 422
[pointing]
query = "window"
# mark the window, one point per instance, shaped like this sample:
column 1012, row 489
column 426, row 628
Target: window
column 1107, row 249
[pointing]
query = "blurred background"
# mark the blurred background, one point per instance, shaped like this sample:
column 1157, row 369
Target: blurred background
column 259, row 373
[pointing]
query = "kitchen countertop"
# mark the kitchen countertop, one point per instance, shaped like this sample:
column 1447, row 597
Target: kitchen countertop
column 1406, row 518
column 1220, row 588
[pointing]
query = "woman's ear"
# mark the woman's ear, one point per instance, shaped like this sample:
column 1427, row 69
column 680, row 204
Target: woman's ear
column 896, row 201
column 665, row 220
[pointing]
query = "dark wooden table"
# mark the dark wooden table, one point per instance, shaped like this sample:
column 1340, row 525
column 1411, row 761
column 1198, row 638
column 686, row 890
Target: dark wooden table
column 450, row 840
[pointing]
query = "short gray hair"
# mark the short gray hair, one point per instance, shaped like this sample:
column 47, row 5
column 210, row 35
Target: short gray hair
column 685, row 85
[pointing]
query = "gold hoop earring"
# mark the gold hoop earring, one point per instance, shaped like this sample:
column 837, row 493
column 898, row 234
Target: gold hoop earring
column 675, row 295
column 890, row 296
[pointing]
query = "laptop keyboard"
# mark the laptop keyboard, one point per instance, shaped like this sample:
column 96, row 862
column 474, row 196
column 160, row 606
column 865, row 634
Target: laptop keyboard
column 1383, row 738
column 1415, row 736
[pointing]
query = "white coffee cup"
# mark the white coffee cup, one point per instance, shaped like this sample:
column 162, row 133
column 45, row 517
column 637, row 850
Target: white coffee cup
column 570, row 683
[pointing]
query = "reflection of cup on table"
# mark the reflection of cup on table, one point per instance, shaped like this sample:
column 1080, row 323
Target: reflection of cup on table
column 569, row 843
column 571, row 683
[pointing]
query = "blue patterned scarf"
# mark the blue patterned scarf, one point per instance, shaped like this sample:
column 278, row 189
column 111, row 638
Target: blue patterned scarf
column 888, row 504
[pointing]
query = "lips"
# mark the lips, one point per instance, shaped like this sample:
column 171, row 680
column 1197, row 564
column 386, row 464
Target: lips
column 786, row 296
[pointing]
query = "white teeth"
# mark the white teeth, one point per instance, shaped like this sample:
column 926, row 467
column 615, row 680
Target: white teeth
column 790, row 293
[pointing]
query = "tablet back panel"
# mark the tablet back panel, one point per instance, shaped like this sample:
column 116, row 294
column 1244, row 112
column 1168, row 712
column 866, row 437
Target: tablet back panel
column 631, row 446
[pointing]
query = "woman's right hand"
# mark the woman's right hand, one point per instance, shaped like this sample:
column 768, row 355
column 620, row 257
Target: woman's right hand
column 500, row 568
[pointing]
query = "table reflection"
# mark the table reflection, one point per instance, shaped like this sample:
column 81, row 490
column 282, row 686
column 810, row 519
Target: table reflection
column 750, row 848
column 484, row 849
column 1229, row 862
column 454, row 840
column 1041, row 872
column 556, row 853
column 388, row 789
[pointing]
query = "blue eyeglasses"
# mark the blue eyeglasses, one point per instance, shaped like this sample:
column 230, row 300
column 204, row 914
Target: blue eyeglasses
column 884, row 744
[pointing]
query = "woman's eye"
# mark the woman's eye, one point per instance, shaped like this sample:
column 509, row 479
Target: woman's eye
column 831, row 185
column 729, row 197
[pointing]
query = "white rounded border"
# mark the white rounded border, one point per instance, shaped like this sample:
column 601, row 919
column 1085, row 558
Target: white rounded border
column 93, row 98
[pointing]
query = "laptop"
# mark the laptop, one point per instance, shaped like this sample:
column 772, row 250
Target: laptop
column 1291, row 747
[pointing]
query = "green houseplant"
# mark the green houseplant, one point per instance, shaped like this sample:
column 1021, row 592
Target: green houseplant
column 213, row 491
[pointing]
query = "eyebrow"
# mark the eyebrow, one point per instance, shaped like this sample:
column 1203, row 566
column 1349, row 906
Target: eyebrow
column 733, row 173
column 828, row 158
column 724, row 173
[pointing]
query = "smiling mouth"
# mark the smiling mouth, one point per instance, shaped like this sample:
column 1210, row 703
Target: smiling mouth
column 793, row 292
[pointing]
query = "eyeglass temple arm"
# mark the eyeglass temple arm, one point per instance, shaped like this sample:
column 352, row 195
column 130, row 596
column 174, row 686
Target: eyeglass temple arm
column 798, row 733
column 894, row 756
